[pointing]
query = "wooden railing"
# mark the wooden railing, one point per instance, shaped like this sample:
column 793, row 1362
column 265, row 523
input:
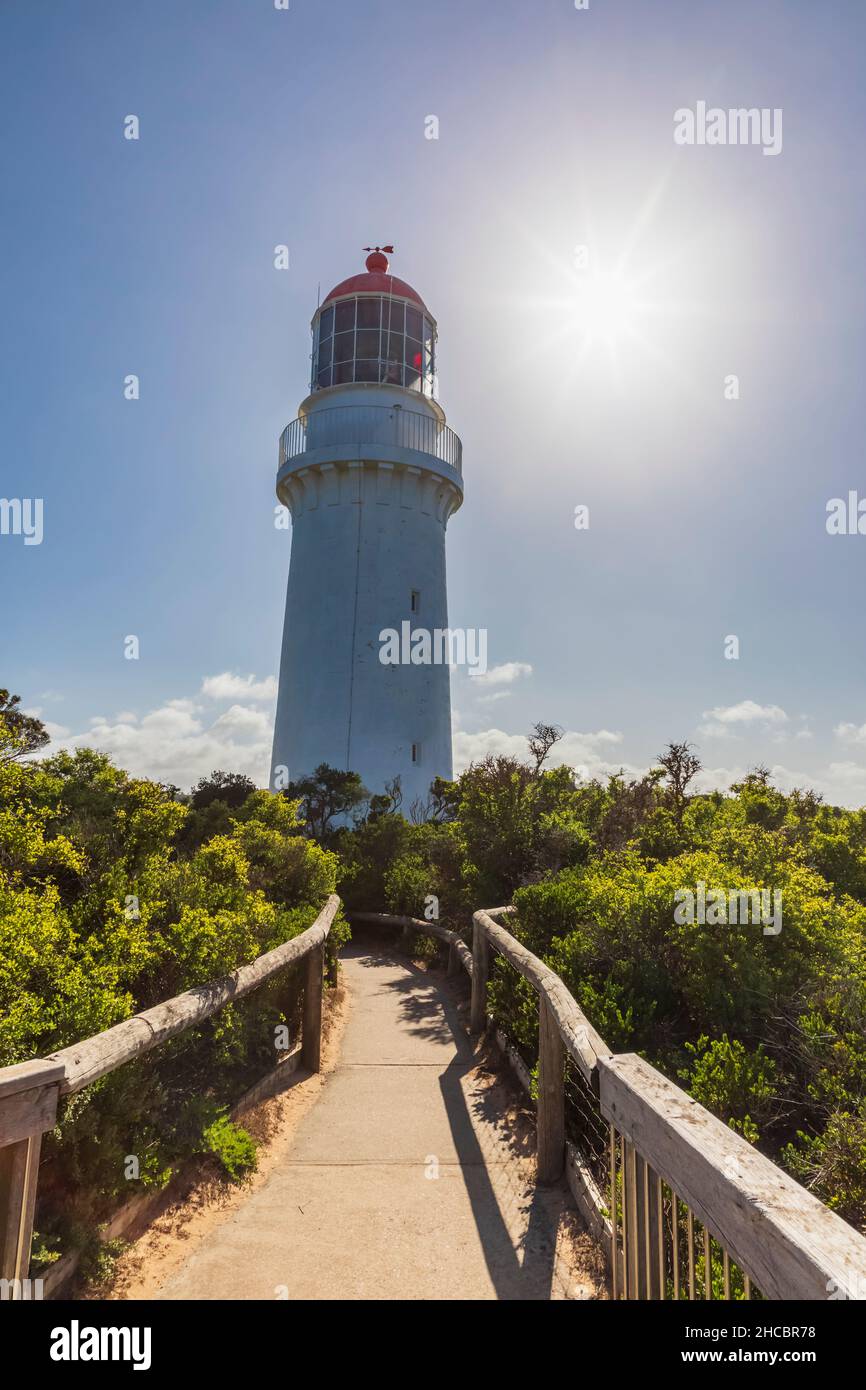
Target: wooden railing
column 29, row 1092
column 692, row 1210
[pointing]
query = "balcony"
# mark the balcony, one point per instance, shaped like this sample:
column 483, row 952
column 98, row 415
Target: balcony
column 382, row 427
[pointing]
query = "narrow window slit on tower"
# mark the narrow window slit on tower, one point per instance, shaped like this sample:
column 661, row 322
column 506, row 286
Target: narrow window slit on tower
column 415, row 601
column 416, row 752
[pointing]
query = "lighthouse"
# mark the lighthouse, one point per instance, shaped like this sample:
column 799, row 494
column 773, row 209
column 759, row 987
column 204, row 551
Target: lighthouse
column 370, row 473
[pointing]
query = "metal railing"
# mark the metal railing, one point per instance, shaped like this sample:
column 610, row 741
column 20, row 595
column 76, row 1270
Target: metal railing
column 358, row 425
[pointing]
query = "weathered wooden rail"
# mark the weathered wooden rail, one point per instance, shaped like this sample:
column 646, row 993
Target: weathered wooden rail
column 30, row 1091
column 692, row 1209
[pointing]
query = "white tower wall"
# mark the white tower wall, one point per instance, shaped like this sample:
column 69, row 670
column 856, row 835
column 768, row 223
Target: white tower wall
column 366, row 534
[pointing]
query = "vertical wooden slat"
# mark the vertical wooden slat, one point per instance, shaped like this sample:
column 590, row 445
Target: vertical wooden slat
column 623, row 1170
column 454, row 966
column 311, row 1035
column 660, row 1247
column 708, row 1265
column 480, row 952
column 29, row 1092
column 641, row 1228
column 19, row 1171
column 676, row 1243
column 13, row 1174
column 614, row 1243
column 632, row 1175
column 690, row 1227
column 654, row 1241
column 551, row 1096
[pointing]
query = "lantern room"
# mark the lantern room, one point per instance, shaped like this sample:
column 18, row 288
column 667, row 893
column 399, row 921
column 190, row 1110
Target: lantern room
column 374, row 328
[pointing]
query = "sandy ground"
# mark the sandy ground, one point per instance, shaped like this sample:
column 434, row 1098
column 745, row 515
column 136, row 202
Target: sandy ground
column 203, row 1204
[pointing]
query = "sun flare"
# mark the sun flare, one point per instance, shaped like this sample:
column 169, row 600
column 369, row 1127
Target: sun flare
column 605, row 307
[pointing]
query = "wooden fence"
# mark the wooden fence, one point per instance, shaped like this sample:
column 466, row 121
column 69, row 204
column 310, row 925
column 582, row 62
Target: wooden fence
column 30, row 1091
column 692, row 1210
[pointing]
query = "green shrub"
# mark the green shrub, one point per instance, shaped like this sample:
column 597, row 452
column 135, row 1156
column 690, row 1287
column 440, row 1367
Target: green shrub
column 235, row 1149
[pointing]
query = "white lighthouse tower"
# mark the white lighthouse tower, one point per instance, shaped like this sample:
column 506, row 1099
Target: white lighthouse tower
column 370, row 473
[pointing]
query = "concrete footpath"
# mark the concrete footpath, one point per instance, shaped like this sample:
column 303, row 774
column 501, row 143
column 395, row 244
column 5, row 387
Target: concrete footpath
column 403, row 1181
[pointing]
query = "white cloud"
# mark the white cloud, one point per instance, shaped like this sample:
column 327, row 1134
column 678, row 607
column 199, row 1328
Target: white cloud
column 747, row 712
column 228, row 686
column 240, row 719
column 851, row 733
column 506, row 674
column 55, row 730
column 728, row 721
column 178, row 742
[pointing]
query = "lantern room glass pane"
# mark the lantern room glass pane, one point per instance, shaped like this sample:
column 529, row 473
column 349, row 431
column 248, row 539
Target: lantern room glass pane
column 393, row 315
column 367, row 343
column 324, row 377
column 344, row 344
column 344, row 316
column 369, row 313
column 413, row 322
column 326, row 323
column 342, row 373
column 367, row 370
column 325, row 353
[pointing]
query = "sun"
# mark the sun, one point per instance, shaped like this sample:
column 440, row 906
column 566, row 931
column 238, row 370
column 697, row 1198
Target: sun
column 605, row 308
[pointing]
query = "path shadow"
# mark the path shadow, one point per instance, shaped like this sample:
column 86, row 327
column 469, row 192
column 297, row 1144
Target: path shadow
column 521, row 1267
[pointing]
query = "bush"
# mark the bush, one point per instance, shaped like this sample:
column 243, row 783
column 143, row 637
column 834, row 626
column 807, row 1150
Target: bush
column 105, row 910
column 235, row 1149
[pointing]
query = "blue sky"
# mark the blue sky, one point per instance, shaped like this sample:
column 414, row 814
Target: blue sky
column 307, row 127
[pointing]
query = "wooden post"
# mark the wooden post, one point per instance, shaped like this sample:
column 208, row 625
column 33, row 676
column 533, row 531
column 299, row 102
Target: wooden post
column 478, row 1007
column 551, row 1096
column 311, row 1034
column 28, row 1107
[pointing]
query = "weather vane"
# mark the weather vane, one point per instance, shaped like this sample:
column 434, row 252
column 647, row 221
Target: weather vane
column 388, row 249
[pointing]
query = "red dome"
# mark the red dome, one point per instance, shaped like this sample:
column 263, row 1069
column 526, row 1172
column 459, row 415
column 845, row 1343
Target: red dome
column 377, row 280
